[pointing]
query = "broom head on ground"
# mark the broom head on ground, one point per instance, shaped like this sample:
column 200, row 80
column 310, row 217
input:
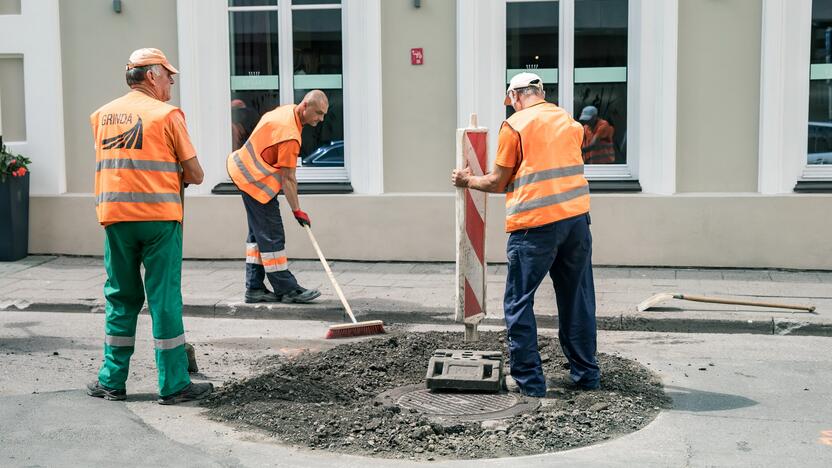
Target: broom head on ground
column 349, row 330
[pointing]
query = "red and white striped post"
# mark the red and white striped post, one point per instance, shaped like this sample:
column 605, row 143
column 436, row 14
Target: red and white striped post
column 471, row 151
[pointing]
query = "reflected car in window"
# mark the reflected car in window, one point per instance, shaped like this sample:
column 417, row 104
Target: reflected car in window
column 331, row 155
column 820, row 143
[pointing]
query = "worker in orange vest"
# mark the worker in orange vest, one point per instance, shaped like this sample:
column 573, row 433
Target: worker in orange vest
column 539, row 167
column 263, row 166
column 143, row 156
column 598, row 146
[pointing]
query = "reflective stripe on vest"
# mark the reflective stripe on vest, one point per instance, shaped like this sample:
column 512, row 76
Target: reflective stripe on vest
column 247, row 169
column 549, row 183
column 137, row 176
column 169, row 343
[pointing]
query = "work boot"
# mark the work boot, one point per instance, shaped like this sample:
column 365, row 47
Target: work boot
column 300, row 296
column 95, row 389
column 194, row 391
column 510, row 385
column 260, row 295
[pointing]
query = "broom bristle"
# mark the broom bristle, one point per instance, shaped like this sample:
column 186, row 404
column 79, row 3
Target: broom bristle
column 372, row 327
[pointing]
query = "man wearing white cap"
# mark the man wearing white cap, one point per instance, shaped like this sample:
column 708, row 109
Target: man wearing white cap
column 143, row 156
column 598, row 146
column 540, row 168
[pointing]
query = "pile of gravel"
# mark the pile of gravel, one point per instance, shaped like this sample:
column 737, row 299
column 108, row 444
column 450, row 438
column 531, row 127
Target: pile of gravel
column 326, row 401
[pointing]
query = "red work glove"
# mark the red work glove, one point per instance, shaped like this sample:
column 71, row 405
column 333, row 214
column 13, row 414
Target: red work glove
column 302, row 217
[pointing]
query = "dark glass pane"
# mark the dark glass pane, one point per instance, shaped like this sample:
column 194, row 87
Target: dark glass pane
column 254, row 70
column 245, row 3
column 531, row 35
column 600, row 33
column 254, row 47
column 611, row 101
column 317, row 42
column 327, row 136
column 820, row 86
column 821, row 31
column 316, row 2
column 532, row 43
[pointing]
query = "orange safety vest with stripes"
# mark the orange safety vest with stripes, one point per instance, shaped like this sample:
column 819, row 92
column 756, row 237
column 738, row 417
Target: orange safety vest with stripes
column 137, row 175
column 549, row 184
column 248, row 170
column 603, row 151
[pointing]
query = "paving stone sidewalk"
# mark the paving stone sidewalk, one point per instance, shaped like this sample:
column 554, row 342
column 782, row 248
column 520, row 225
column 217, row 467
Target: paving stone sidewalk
column 424, row 293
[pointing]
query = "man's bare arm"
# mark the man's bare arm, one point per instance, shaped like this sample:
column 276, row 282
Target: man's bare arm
column 493, row 182
column 192, row 171
column 290, row 187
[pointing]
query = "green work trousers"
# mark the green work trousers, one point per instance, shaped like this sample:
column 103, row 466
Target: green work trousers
column 158, row 246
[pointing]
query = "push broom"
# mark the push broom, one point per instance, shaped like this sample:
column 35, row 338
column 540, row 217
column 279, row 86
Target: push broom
column 356, row 328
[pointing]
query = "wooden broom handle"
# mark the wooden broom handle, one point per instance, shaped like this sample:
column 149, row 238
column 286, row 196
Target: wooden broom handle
column 331, row 276
column 717, row 300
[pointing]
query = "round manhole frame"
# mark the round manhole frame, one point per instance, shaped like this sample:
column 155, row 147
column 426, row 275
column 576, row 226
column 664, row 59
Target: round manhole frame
column 523, row 404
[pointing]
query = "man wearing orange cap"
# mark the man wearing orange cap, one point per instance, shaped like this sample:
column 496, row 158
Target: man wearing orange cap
column 143, row 157
column 539, row 167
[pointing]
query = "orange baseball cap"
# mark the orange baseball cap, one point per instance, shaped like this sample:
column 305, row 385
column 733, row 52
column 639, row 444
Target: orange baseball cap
column 149, row 56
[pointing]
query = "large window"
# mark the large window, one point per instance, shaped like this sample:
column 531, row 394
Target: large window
column 280, row 50
column 820, row 85
column 586, row 74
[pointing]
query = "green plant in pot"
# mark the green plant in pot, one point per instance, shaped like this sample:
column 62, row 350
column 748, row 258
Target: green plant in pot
column 14, row 205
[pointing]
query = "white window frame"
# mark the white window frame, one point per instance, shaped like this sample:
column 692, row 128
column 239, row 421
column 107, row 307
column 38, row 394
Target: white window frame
column 651, row 82
column 204, row 56
column 784, row 97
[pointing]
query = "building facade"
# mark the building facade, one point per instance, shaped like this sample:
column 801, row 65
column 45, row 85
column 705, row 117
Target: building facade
column 721, row 116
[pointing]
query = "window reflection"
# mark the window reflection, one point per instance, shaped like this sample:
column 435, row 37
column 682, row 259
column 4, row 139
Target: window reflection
column 820, row 85
column 600, row 74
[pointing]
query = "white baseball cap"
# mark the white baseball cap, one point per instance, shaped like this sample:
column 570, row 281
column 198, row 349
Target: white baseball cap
column 522, row 80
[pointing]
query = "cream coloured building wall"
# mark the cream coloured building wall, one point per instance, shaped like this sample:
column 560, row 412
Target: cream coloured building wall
column 419, row 101
column 718, row 95
column 723, row 223
column 12, row 84
column 9, row 7
column 95, row 45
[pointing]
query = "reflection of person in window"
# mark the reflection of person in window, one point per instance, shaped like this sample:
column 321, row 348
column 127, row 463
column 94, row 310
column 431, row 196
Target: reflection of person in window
column 243, row 121
column 598, row 146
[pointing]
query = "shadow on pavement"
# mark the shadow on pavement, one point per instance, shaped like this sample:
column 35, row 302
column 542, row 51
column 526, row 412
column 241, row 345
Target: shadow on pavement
column 688, row 399
column 45, row 344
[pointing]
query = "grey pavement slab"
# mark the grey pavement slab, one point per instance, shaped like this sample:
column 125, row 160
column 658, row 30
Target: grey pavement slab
column 424, row 292
column 738, row 400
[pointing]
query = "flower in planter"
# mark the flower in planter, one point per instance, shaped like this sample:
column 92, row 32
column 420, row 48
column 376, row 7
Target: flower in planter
column 11, row 164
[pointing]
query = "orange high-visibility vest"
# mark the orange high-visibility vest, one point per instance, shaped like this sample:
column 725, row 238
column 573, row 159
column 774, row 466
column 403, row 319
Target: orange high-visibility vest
column 249, row 172
column 549, row 184
column 604, row 150
column 137, row 173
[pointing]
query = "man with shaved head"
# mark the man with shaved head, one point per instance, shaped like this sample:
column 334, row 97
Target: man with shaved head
column 263, row 166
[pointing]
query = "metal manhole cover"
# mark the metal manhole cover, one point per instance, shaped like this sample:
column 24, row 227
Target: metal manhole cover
column 460, row 406
column 456, row 404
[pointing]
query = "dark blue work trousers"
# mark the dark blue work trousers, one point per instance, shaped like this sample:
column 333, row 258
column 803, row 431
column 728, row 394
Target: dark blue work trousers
column 563, row 250
column 265, row 245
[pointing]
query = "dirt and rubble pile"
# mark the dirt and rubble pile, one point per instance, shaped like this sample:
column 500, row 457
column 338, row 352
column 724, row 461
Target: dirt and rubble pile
column 326, row 401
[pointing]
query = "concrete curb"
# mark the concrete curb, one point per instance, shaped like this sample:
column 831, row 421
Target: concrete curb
column 333, row 312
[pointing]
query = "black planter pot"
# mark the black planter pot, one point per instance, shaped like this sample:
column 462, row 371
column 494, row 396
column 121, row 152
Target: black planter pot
column 14, row 218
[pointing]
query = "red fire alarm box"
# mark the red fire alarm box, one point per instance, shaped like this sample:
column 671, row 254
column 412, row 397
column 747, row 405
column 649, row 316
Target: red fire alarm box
column 417, row 57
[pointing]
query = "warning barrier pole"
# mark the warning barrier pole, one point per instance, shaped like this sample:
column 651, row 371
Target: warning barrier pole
column 471, row 151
